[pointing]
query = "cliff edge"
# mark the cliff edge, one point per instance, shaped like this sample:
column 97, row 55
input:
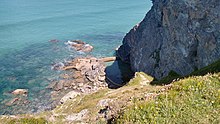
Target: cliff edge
column 177, row 35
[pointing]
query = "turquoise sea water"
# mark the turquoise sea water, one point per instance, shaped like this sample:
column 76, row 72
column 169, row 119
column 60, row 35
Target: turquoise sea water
column 26, row 26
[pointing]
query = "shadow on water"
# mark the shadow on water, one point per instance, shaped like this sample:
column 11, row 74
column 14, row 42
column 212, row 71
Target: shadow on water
column 118, row 74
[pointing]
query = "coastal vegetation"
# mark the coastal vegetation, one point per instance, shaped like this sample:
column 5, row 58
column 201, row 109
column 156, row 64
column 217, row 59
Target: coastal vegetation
column 192, row 100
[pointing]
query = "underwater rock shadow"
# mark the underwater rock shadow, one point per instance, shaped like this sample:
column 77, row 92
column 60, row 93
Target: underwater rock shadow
column 118, row 74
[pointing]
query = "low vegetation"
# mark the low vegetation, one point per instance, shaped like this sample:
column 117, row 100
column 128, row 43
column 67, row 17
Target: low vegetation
column 193, row 99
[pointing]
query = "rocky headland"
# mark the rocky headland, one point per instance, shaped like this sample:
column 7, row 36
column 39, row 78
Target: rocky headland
column 175, row 35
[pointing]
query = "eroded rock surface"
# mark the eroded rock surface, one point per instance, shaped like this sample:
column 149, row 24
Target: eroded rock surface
column 178, row 35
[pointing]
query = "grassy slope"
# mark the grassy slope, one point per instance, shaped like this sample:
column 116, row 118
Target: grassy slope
column 191, row 100
column 194, row 99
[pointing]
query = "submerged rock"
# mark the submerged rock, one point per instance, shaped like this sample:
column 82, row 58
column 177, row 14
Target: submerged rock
column 11, row 102
column 80, row 46
column 178, row 35
column 20, row 92
column 54, row 41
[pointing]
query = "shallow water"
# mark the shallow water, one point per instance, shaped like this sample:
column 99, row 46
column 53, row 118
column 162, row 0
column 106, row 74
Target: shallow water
column 26, row 26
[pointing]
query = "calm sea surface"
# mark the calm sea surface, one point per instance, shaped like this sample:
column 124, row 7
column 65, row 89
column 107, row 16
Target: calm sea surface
column 26, row 26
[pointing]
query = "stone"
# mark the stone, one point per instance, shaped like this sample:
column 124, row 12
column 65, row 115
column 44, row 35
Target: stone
column 86, row 48
column 79, row 80
column 104, row 102
column 68, row 83
column 52, row 85
column 77, row 74
column 78, row 116
column 70, row 95
column 175, row 35
column 59, row 85
column 20, row 92
column 57, row 66
column 102, row 78
column 102, row 73
column 79, row 45
column 11, row 102
column 65, row 76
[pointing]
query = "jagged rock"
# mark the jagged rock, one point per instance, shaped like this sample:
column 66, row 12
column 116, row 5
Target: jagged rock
column 178, row 35
column 70, row 95
column 20, row 92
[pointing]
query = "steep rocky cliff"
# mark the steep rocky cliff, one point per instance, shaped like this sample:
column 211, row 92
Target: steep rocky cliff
column 178, row 35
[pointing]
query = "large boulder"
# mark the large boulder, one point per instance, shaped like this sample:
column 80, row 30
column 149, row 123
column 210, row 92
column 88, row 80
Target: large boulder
column 178, row 35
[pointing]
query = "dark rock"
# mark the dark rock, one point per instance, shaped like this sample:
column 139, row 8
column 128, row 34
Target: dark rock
column 178, row 35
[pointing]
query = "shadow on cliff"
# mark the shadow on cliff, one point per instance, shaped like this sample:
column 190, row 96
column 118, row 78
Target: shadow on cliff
column 118, row 74
column 173, row 76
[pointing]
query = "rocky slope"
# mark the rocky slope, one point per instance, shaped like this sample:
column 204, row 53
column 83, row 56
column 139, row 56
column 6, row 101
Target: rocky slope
column 178, row 35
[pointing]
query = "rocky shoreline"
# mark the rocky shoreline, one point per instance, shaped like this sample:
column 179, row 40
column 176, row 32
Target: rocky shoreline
column 83, row 75
column 79, row 76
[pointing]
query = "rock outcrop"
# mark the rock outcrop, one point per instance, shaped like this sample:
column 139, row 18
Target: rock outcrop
column 178, row 35
column 84, row 75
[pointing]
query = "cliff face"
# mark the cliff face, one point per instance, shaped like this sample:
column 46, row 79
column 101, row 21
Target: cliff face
column 178, row 35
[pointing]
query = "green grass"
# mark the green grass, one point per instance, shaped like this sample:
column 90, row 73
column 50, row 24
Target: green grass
column 192, row 100
column 212, row 68
column 140, row 76
column 28, row 121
